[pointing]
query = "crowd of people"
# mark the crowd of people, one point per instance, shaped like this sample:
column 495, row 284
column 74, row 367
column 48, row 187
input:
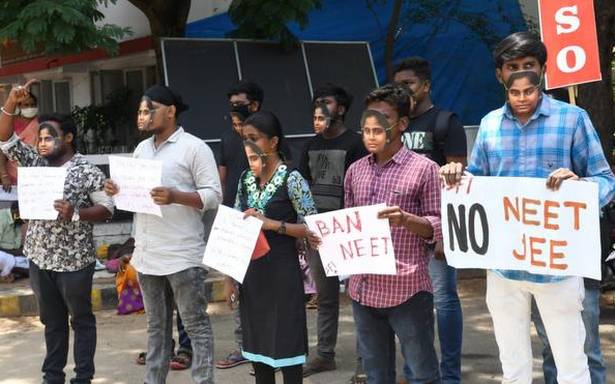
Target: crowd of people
column 406, row 147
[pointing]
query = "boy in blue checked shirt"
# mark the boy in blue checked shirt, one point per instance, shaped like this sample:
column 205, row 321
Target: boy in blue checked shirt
column 533, row 135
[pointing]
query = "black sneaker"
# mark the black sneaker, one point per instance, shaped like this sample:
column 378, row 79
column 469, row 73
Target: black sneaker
column 318, row 364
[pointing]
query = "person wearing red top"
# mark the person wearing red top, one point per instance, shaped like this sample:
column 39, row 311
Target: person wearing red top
column 26, row 128
column 385, row 306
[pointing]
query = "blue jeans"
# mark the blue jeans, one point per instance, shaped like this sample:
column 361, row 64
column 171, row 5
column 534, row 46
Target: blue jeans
column 450, row 321
column 591, row 319
column 187, row 290
column 413, row 323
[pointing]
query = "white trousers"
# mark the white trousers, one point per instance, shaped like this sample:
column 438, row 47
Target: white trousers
column 560, row 305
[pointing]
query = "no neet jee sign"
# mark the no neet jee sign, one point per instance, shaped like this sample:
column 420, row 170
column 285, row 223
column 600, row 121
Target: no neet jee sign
column 517, row 223
column 568, row 29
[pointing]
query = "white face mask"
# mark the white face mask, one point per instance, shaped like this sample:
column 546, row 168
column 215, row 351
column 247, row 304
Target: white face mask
column 29, row 113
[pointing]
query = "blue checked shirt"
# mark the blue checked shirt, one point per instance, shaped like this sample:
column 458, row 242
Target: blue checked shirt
column 558, row 135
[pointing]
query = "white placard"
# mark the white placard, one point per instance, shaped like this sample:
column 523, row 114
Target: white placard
column 354, row 241
column 231, row 242
column 517, row 223
column 38, row 188
column 135, row 179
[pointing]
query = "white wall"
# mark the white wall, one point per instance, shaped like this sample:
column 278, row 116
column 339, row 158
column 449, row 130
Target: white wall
column 124, row 14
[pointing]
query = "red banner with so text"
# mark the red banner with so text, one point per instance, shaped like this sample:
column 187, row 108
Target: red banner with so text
column 568, row 29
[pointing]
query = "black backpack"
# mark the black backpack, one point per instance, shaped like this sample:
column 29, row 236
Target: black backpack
column 440, row 131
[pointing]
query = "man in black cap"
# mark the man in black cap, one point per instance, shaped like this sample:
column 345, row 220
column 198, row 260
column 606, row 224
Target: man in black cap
column 169, row 249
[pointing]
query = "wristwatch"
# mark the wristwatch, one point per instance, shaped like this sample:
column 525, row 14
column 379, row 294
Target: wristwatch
column 282, row 229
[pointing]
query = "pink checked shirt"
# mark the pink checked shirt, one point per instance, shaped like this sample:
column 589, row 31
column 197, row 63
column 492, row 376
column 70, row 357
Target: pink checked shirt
column 411, row 182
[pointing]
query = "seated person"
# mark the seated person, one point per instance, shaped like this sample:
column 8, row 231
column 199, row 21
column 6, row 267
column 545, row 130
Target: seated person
column 12, row 262
column 12, row 230
column 12, row 267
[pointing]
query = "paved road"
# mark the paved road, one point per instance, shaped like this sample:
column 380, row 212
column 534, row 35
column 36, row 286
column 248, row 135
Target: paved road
column 122, row 337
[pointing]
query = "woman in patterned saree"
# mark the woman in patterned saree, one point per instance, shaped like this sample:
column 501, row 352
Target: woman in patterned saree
column 272, row 297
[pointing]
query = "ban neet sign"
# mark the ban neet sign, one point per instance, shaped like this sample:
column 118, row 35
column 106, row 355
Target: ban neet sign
column 517, row 223
column 568, row 29
column 354, row 241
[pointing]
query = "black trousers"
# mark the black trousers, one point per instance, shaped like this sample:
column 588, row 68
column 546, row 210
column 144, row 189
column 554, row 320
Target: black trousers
column 60, row 294
column 266, row 375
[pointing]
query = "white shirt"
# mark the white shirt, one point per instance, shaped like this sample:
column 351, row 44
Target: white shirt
column 175, row 241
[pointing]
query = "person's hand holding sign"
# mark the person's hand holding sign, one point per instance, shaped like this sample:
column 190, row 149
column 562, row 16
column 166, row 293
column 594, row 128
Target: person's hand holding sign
column 163, row 195
column 313, row 240
column 65, row 209
column 399, row 218
column 555, row 179
column 396, row 216
column 110, row 188
column 452, row 173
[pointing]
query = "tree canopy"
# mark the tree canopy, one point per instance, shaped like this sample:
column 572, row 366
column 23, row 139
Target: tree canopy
column 65, row 26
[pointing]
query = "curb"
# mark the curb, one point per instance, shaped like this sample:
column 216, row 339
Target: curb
column 103, row 297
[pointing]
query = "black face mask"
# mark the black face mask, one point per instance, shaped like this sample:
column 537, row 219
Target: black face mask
column 243, row 110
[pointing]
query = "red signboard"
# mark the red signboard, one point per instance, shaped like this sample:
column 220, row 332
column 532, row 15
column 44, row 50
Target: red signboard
column 568, row 29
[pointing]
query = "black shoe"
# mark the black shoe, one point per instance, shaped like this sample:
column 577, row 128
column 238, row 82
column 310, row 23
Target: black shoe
column 318, row 364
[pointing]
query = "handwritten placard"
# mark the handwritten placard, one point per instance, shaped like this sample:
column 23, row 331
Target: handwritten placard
column 518, row 224
column 38, row 188
column 135, row 179
column 231, row 242
column 354, row 241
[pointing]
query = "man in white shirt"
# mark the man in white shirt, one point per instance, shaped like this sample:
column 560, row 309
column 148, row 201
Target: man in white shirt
column 169, row 249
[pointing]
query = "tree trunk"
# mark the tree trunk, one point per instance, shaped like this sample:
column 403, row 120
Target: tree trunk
column 167, row 18
column 389, row 47
column 597, row 97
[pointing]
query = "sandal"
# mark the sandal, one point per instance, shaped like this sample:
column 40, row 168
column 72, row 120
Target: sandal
column 140, row 360
column 232, row 360
column 313, row 302
column 181, row 361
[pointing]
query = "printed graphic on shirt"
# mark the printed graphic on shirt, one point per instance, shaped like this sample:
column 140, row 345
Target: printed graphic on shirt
column 327, row 171
column 419, row 141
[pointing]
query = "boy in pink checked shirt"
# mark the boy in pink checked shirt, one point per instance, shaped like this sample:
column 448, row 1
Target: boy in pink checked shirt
column 400, row 305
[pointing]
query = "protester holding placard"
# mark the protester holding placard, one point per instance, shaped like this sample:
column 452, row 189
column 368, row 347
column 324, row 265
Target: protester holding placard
column 439, row 135
column 324, row 162
column 244, row 98
column 400, row 305
column 61, row 251
column 272, row 299
column 533, row 135
column 169, row 249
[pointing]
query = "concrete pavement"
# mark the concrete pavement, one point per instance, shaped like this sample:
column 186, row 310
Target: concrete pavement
column 120, row 338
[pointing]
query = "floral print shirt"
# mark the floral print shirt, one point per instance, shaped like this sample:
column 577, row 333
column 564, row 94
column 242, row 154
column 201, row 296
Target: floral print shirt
column 60, row 245
column 298, row 191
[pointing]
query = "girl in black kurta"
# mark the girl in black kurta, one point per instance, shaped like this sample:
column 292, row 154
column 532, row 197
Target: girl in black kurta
column 272, row 298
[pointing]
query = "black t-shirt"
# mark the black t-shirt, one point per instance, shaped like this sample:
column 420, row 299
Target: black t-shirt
column 421, row 136
column 324, row 163
column 233, row 157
